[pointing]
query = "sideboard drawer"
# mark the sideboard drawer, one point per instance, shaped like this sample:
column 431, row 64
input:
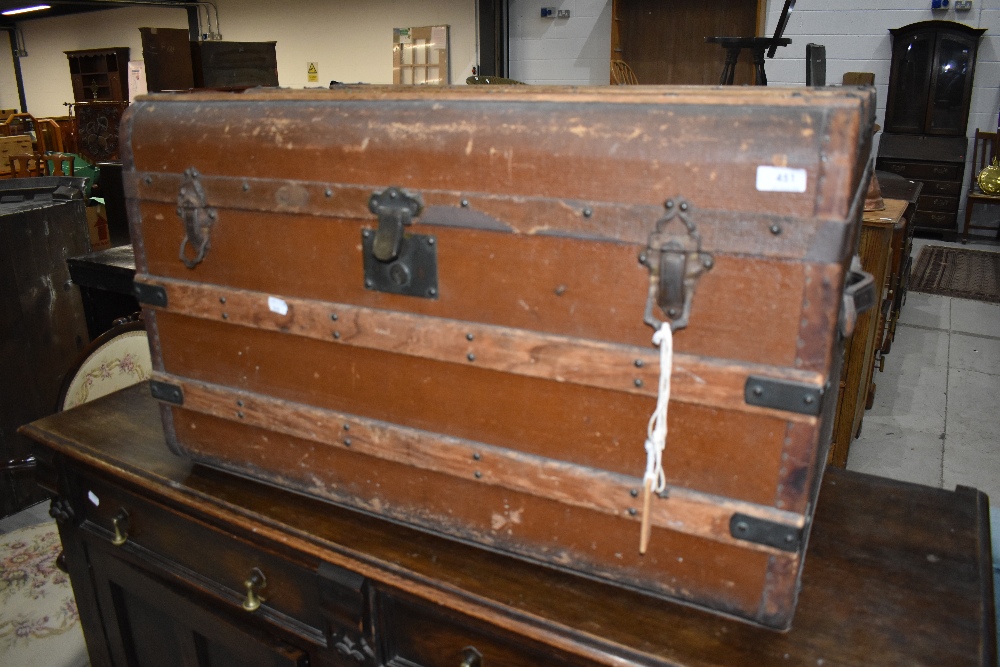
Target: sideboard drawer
column 217, row 563
column 419, row 636
column 937, row 203
column 934, row 219
column 953, row 188
column 934, row 171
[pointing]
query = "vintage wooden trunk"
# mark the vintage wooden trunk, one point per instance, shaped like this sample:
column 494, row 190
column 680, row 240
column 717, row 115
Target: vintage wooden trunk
column 437, row 306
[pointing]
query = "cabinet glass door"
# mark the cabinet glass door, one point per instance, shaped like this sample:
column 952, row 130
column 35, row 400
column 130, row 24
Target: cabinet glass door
column 907, row 104
column 947, row 111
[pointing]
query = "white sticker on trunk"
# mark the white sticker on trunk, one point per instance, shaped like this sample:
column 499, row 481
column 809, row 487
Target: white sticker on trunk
column 780, row 179
column 277, row 305
column 93, row 498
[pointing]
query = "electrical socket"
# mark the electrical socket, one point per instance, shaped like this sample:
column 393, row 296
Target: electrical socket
column 963, row 5
column 563, row 14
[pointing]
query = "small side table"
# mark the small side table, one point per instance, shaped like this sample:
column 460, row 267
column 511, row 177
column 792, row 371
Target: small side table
column 105, row 281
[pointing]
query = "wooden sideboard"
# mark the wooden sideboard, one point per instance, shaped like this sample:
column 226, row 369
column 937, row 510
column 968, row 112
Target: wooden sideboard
column 875, row 250
column 168, row 561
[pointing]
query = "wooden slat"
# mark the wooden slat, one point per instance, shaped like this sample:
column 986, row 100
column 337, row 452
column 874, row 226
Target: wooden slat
column 626, row 368
column 679, row 509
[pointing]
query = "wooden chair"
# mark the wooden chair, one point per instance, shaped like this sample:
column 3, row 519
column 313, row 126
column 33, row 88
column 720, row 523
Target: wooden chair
column 59, row 164
column 23, row 123
column 28, row 165
column 622, row 74
column 50, row 135
column 984, row 150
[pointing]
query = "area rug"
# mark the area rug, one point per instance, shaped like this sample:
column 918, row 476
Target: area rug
column 39, row 623
column 958, row 272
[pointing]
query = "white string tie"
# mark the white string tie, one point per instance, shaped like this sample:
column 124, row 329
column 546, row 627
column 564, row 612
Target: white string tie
column 654, row 481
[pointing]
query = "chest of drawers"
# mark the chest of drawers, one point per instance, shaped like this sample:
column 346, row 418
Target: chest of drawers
column 174, row 564
column 936, row 162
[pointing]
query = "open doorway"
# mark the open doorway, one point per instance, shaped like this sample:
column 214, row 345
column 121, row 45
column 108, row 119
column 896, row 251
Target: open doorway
column 663, row 41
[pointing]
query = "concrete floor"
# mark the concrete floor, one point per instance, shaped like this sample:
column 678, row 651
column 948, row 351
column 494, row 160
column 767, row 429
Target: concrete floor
column 934, row 421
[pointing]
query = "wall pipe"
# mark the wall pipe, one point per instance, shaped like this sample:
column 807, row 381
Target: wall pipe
column 15, row 54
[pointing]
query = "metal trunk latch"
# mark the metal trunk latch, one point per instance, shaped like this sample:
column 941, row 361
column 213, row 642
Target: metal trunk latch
column 675, row 262
column 198, row 217
column 394, row 261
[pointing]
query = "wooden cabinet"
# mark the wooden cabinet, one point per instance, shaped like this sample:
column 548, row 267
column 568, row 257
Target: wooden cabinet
column 927, row 112
column 875, row 251
column 234, row 64
column 938, row 163
column 166, row 560
column 99, row 74
column 930, row 83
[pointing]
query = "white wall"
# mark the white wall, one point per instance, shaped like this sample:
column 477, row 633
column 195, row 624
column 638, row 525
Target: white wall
column 351, row 40
column 856, row 36
column 575, row 51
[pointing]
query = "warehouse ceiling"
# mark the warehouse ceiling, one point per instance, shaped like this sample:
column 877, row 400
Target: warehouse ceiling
column 65, row 7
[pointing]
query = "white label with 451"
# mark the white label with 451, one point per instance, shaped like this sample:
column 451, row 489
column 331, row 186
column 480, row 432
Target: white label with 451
column 780, row 179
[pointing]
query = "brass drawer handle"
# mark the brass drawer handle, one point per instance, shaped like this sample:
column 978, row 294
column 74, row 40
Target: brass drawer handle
column 471, row 657
column 120, row 523
column 254, row 583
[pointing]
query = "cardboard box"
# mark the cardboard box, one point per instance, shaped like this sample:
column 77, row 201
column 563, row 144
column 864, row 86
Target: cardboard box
column 19, row 144
column 97, row 224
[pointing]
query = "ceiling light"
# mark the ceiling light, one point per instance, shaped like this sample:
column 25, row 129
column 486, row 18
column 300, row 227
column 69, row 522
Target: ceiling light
column 22, row 10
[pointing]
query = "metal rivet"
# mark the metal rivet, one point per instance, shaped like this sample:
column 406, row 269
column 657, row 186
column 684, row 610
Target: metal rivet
column 642, row 259
column 239, row 404
column 469, row 336
column 638, row 382
column 225, row 316
column 669, row 203
column 246, row 186
column 366, row 233
column 672, row 312
column 470, row 356
column 430, row 240
column 477, row 456
column 633, row 511
column 742, row 526
column 392, row 194
column 334, row 317
column 560, row 290
column 240, row 415
column 328, row 192
column 758, row 390
column 587, row 212
column 347, row 427
column 431, row 291
column 465, row 203
column 368, row 283
column 478, row 474
column 708, row 262
column 212, row 214
column 685, row 206
column 222, row 299
column 809, row 399
column 639, row 363
column 789, row 538
column 347, row 442
column 336, row 334
column 634, row 493
column 775, row 229
column 149, row 179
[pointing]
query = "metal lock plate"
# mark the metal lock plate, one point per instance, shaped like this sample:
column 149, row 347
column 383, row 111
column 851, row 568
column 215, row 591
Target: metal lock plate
column 675, row 261
column 394, row 261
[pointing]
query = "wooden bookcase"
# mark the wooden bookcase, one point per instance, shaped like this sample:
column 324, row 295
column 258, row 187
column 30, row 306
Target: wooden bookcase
column 99, row 74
